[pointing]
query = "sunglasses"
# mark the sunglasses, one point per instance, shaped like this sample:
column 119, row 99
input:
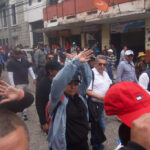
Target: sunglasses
column 101, row 64
column 130, row 55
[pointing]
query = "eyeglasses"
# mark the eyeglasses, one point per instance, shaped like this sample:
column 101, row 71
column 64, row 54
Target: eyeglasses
column 100, row 64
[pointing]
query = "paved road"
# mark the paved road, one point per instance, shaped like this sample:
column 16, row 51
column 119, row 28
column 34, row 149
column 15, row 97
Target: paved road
column 38, row 138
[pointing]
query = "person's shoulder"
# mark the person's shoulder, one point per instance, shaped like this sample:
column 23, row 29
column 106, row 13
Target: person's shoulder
column 146, row 72
column 112, row 55
column 44, row 82
column 24, row 60
column 11, row 61
column 122, row 63
column 105, row 74
column 122, row 51
column 95, row 71
column 37, row 51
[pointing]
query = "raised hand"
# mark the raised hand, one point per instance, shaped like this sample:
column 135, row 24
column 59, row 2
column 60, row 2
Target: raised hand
column 85, row 55
column 8, row 92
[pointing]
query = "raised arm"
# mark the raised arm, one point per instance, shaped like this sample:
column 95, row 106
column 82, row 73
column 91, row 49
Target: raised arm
column 65, row 75
column 14, row 99
column 86, row 74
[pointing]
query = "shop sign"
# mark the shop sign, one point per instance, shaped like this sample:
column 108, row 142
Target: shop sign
column 101, row 5
column 91, row 28
column 64, row 33
column 125, row 27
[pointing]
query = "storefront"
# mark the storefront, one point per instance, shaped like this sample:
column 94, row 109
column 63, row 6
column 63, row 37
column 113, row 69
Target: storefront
column 92, row 35
column 130, row 33
column 53, row 39
column 68, row 38
column 37, row 33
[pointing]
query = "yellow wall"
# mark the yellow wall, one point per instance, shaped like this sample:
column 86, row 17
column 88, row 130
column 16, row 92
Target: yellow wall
column 45, row 39
column 105, row 35
column 83, row 40
column 76, row 31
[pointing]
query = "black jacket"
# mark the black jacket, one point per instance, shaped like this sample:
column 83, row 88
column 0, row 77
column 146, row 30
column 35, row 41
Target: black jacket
column 18, row 106
column 42, row 98
column 132, row 146
column 19, row 69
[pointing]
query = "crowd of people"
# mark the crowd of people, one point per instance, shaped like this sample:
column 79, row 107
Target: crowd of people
column 73, row 89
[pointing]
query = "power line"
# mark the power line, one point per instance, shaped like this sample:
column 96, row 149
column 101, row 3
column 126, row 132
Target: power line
column 17, row 4
column 22, row 3
column 19, row 12
column 30, row 9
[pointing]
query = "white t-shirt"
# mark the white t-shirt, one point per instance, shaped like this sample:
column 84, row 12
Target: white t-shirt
column 144, row 81
column 101, row 84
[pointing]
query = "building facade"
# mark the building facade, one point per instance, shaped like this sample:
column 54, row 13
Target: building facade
column 13, row 29
column 34, row 16
column 127, row 22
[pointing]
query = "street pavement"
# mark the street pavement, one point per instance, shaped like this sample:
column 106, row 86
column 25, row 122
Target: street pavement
column 38, row 138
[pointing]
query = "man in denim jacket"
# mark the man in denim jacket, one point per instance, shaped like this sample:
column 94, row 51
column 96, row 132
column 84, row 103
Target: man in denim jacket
column 69, row 125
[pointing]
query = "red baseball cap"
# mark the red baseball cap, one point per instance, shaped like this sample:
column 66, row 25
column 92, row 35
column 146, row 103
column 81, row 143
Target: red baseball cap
column 127, row 100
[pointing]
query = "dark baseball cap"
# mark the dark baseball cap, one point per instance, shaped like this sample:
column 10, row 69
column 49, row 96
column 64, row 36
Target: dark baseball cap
column 17, row 51
column 77, row 77
column 53, row 65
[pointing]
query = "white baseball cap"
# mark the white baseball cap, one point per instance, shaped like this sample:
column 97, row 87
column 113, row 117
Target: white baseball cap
column 110, row 50
column 129, row 52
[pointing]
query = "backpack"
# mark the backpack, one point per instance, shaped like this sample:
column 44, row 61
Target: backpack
column 47, row 111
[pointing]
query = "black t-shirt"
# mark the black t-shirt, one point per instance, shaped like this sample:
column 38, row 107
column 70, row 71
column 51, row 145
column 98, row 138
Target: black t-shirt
column 19, row 69
column 77, row 124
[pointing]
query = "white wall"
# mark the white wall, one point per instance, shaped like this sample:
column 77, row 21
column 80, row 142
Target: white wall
column 35, row 11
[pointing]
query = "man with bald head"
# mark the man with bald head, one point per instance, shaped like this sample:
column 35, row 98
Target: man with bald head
column 13, row 132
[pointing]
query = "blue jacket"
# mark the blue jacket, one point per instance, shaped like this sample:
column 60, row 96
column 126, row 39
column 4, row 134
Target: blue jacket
column 1, row 60
column 57, row 132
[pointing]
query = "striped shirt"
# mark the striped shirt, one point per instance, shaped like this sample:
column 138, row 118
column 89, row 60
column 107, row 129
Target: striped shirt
column 111, row 60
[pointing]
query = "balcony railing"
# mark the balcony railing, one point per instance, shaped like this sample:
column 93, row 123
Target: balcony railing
column 73, row 7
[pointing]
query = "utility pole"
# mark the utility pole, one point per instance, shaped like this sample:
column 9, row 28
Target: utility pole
column 8, row 24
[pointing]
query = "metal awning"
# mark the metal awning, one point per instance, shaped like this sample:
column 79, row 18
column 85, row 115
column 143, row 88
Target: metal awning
column 66, row 26
column 101, row 20
column 135, row 15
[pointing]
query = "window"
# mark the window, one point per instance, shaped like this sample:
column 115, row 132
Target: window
column 0, row 42
column 7, row 41
column 13, row 9
column 3, row 41
column 1, row 19
column 4, row 18
column 53, row 2
column 33, row 1
column 30, row 2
